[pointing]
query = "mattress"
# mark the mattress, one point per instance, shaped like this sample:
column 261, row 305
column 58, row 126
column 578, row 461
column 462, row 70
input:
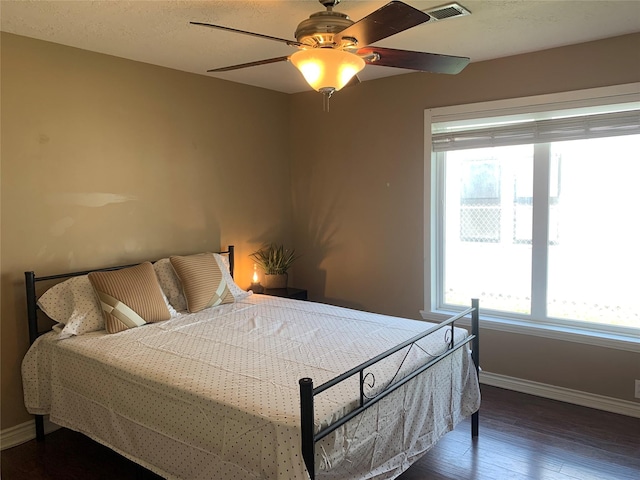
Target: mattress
column 215, row 395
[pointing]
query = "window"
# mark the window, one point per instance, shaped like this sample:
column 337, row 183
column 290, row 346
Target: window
column 534, row 211
column 479, row 208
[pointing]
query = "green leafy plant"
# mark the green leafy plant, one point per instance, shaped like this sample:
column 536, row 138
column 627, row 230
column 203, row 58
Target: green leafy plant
column 274, row 259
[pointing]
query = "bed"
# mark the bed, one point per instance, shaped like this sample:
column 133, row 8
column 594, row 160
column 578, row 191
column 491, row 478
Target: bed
column 256, row 387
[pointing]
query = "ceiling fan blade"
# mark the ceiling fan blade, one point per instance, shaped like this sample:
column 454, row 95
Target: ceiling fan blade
column 249, row 64
column 388, row 20
column 422, row 61
column 292, row 43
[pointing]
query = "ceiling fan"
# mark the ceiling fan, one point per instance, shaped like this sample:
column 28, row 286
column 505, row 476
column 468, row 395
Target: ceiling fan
column 332, row 48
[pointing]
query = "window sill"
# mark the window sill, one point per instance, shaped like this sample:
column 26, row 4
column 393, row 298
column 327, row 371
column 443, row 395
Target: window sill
column 616, row 341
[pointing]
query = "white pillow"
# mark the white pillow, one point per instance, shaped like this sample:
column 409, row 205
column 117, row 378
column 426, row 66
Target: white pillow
column 173, row 289
column 75, row 306
column 237, row 292
column 170, row 284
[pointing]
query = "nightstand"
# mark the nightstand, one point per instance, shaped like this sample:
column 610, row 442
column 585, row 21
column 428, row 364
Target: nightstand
column 289, row 292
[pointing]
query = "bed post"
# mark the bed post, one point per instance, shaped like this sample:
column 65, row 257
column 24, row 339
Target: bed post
column 231, row 259
column 475, row 356
column 32, row 317
column 306, row 425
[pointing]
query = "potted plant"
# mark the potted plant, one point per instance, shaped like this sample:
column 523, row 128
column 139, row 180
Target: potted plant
column 275, row 260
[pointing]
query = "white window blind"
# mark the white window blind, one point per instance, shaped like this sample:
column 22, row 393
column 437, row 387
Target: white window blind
column 540, row 131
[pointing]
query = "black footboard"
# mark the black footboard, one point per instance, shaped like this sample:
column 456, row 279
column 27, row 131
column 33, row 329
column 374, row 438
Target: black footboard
column 308, row 392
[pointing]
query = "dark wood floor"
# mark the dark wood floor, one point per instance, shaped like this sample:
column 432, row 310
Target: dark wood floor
column 522, row 437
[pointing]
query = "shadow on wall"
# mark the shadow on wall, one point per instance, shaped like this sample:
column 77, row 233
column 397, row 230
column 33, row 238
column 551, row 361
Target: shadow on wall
column 274, row 234
column 319, row 237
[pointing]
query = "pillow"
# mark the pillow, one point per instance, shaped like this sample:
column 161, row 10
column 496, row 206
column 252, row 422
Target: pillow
column 129, row 297
column 73, row 304
column 223, row 262
column 203, row 283
column 170, row 283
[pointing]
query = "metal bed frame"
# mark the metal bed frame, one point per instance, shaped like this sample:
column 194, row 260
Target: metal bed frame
column 308, row 392
column 30, row 281
column 309, row 437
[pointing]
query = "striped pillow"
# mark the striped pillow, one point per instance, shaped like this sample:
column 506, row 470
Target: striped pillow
column 129, row 297
column 202, row 282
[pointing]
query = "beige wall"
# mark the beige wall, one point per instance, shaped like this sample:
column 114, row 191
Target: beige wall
column 358, row 187
column 107, row 161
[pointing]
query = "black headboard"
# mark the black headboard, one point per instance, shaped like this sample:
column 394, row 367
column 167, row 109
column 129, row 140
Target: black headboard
column 31, row 279
column 32, row 307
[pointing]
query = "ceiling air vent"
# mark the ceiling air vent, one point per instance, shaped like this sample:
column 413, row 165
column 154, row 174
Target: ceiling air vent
column 450, row 10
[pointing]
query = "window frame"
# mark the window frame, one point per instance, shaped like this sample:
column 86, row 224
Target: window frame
column 433, row 261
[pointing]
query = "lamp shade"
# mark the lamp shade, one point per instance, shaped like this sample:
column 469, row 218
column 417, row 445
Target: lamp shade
column 327, row 69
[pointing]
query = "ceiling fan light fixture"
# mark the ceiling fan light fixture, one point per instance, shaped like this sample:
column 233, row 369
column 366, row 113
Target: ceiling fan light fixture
column 327, row 69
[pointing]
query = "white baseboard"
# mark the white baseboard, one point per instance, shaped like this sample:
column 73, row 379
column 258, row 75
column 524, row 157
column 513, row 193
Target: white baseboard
column 576, row 397
column 26, row 431
column 13, row 436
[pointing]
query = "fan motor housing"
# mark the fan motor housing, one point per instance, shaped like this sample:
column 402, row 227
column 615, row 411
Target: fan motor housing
column 318, row 30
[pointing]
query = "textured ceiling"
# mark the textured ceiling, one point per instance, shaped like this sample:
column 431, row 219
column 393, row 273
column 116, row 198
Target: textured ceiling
column 158, row 32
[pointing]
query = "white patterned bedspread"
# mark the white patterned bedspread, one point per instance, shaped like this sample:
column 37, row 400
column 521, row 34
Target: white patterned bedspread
column 215, row 395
